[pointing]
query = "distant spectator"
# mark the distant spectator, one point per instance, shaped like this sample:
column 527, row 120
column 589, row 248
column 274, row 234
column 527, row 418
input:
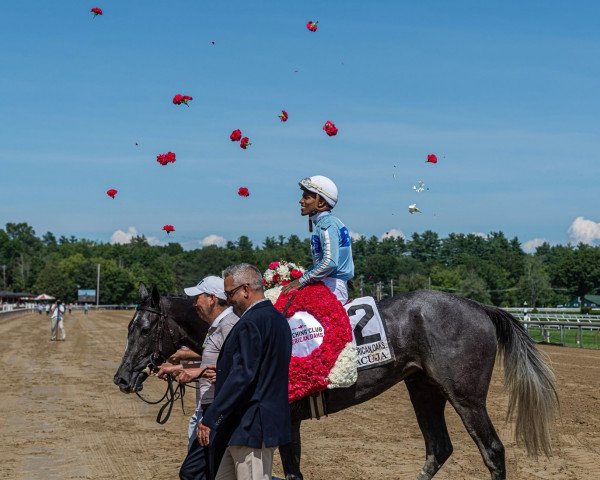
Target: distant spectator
column 86, row 308
column 39, row 308
column 58, row 310
column 47, row 308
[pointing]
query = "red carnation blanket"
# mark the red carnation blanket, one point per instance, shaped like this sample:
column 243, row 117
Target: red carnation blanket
column 320, row 332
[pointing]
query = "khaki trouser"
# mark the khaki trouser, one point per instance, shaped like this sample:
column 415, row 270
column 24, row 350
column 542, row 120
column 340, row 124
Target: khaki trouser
column 245, row 463
column 57, row 323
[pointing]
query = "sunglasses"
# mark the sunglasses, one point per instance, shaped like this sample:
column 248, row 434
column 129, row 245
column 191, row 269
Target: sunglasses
column 231, row 293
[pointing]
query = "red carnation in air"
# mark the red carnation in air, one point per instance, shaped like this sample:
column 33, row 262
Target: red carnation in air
column 312, row 26
column 243, row 192
column 112, row 192
column 96, row 11
column 165, row 158
column 330, row 128
column 179, row 99
column 236, row 135
column 168, row 228
column 283, row 116
column 245, row 142
column 431, row 158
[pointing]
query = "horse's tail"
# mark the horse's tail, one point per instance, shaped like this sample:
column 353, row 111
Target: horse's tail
column 532, row 394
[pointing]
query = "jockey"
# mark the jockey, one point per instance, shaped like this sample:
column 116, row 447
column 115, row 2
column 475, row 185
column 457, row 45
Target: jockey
column 330, row 245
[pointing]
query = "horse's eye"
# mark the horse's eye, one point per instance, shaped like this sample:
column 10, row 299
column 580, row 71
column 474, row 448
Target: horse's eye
column 145, row 330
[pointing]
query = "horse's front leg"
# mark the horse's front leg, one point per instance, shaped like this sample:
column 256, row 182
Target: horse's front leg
column 290, row 455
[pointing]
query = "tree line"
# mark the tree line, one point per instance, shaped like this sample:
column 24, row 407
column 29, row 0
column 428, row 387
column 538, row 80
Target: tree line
column 492, row 269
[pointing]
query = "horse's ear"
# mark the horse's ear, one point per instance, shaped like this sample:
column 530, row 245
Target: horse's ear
column 155, row 296
column 143, row 291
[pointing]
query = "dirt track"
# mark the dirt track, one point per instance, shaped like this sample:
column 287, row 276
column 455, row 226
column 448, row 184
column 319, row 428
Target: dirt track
column 62, row 418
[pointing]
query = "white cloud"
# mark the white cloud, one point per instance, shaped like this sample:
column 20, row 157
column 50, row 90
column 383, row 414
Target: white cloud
column 480, row 234
column 584, row 231
column 213, row 240
column 355, row 235
column 531, row 245
column 393, row 233
column 122, row 237
column 154, row 241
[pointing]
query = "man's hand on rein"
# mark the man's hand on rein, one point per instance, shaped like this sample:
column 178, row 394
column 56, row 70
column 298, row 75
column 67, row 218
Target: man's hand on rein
column 187, row 375
column 166, row 369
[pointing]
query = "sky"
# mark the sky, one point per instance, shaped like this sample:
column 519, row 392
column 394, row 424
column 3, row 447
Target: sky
column 504, row 93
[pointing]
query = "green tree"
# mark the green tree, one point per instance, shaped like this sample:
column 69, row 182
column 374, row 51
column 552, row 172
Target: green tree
column 534, row 284
column 474, row 287
column 447, row 279
column 578, row 270
column 425, row 246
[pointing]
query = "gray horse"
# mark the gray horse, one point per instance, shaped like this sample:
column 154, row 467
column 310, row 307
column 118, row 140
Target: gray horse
column 445, row 347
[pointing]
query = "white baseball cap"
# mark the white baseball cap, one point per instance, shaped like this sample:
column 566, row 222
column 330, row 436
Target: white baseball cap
column 211, row 285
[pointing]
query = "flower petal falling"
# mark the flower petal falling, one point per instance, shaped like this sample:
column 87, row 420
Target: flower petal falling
column 312, row 26
column 243, row 192
column 420, row 187
column 432, row 158
column 168, row 228
column 96, row 11
column 412, row 208
column 112, row 192
column 283, row 116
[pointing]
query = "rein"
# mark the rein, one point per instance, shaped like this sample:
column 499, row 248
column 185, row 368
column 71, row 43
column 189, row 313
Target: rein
column 171, row 394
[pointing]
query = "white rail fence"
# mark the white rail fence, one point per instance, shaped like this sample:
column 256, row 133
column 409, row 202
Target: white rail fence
column 568, row 329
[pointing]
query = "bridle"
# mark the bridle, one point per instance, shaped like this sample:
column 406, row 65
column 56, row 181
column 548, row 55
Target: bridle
column 156, row 359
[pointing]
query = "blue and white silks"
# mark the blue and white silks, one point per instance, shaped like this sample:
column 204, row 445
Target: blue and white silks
column 331, row 250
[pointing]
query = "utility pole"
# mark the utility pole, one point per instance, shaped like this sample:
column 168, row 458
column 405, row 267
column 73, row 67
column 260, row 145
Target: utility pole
column 98, row 287
column 391, row 287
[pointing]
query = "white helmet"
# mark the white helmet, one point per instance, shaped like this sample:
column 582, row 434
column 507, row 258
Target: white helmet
column 323, row 186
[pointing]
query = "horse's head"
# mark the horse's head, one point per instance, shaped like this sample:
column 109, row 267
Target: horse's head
column 152, row 337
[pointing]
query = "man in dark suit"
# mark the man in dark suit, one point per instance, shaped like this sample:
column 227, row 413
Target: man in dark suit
column 250, row 415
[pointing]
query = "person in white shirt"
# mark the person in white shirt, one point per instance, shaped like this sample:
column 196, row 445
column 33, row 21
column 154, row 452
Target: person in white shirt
column 212, row 307
column 56, row 321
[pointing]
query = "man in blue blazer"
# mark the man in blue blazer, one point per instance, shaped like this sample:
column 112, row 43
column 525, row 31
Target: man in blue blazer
column 250, row 415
